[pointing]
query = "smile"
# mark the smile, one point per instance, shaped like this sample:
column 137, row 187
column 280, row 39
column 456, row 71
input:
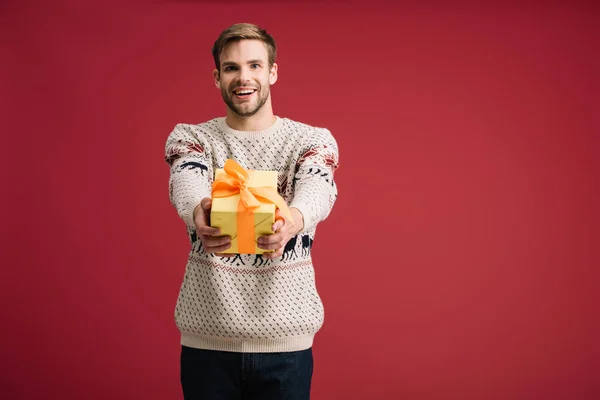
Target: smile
column 243, row 93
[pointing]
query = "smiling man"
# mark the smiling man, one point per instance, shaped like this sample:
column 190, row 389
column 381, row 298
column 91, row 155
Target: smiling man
column 248, row 322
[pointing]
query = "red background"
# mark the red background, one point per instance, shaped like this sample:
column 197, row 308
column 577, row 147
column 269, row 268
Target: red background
column 460, row 262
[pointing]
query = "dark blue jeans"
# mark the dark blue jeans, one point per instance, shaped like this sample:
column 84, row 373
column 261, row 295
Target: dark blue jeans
column 221, row 375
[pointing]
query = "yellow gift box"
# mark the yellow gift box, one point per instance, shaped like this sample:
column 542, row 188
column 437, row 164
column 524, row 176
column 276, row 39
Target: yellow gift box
column 243, row 206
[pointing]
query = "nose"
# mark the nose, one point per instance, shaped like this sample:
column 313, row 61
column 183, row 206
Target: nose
column 244, row 74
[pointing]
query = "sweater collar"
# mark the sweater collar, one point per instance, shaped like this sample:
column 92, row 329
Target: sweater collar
column 250, row 134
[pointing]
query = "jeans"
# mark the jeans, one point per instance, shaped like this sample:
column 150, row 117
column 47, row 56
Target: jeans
column 221, row 375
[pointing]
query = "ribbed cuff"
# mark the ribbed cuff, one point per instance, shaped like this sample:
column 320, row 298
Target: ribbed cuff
column 247, row 345
column 188, row 213
column 307, row 216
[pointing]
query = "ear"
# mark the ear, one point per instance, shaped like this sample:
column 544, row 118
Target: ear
column 217, row 78
column 273, row 74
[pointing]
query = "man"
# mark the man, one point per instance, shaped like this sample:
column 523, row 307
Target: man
column 248, row 321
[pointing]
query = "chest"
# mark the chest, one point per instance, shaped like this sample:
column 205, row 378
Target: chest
column 279, row 155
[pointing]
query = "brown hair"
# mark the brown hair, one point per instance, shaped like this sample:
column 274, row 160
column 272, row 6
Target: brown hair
column 243, row 31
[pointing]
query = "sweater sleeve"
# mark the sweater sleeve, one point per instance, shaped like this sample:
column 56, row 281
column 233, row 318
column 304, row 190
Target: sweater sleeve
column 187, row 154
column 315, row 190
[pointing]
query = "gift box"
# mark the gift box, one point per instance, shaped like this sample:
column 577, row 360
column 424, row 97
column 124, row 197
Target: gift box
column 243, row 206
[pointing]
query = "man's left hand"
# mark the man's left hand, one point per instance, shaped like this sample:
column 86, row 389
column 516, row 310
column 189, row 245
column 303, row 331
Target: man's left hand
column 283, row 231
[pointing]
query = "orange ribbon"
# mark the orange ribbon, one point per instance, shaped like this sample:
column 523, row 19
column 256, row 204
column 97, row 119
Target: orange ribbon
column 236, row 181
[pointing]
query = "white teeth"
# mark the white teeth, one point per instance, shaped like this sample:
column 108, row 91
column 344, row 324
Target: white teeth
column 245, row 92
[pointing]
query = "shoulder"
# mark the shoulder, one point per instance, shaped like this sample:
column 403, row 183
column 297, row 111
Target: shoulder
column 199, row 131
column 308, row 133
column 188, row 138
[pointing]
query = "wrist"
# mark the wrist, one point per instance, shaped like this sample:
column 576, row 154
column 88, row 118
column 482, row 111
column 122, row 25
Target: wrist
column 298, row 219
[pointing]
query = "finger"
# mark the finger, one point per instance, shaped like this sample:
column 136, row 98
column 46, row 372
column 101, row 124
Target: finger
column 274, row 254
column 217, row 249
column 206, row 203
column 202, row 215
column 279, row 223
column 270, row 239
column 226, row 255
column 272, row 246
column 279, row 220
column 206, row 230
column 213, row 241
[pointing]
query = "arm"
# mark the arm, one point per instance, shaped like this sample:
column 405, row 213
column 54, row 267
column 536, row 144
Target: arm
column 191, row 171
column 315, row 190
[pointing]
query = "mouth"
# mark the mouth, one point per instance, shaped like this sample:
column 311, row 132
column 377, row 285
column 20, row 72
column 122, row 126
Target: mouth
column 244, row 93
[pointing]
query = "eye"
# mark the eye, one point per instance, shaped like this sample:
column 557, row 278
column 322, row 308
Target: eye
column 255, row 66
column 229, row 68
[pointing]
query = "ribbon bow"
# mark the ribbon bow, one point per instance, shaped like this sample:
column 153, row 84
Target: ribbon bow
column 236, row 181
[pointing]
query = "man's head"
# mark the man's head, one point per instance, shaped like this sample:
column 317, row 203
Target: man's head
column 245, row 68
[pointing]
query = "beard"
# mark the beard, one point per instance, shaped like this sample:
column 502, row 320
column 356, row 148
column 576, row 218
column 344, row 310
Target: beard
column 245, row 109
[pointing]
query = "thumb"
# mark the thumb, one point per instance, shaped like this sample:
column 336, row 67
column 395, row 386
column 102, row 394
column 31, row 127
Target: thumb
column 206, row 203
column 279, row 221
column 279, row 216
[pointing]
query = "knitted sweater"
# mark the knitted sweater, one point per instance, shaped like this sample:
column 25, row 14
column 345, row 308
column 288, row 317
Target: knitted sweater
column 247, row 303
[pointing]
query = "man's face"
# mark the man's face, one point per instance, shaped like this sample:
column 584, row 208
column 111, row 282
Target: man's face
column 245, row 78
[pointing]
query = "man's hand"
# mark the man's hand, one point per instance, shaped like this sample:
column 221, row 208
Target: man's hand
column 283, row 231
column 211, row 241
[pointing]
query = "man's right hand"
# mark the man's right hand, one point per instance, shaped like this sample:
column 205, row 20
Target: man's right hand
column 212, row 242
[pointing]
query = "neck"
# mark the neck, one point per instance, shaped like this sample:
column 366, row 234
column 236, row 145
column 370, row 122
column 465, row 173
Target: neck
column 262, row 120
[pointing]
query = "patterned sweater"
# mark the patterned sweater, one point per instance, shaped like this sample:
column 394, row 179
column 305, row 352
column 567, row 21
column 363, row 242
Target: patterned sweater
column 247, row 303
